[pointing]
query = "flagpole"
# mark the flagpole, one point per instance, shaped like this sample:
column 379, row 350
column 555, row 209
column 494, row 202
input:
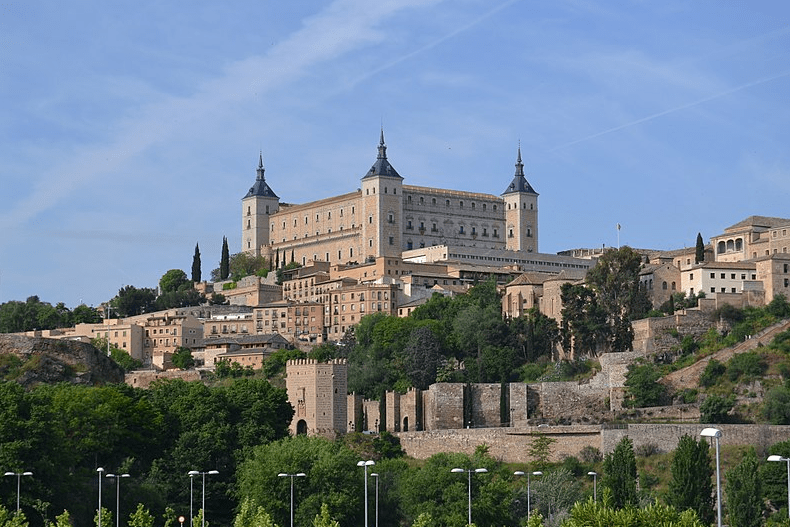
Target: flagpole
column 618, row 236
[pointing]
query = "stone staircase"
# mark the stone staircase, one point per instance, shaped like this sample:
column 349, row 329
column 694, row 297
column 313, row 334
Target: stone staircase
column 689, row 376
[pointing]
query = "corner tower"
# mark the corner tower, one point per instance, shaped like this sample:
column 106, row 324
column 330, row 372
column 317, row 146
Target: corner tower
column 382, row 207
column 521, row 212
column 256, row 206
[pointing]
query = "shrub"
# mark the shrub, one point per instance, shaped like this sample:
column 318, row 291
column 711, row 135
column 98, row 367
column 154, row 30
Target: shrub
column 747, row 365
column 715, row 408
column 590, row 454
column 647, row 450
column 713, row 371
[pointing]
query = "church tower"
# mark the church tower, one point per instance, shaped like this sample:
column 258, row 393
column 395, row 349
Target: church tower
column 382, row 207
column 256, row 206
column 521, row 212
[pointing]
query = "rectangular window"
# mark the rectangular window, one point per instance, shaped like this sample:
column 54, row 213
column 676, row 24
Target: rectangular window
column 713, row 275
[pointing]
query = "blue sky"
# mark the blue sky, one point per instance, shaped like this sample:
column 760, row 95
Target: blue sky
column 131, row 130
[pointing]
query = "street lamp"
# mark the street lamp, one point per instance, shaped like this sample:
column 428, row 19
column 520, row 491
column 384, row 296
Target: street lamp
column 374, row 475
column 18, row 478
column 770, row 458
column 292, row 476
column 193, row 473
column 595, row 484
column 366, row 464
column 535, row 473
column 469, row 474
column 100, row 470
column 117, row 478
column 716, row 433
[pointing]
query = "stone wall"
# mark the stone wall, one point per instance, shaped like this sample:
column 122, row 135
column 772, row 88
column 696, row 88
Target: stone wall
column 511, row 444
column 485, row 404
column 443, row 406
column 666, row 436
column 143, row 379
column 508, row 444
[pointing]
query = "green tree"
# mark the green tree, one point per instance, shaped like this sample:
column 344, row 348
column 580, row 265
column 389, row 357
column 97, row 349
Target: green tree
column 690, row 486
column 332, row 478
column 555, row 492
column 182, row 358
column 12, row 519
column 619, row 468
column 744, row 492
column 642, row 386
column 224, row 262
column 603, row 513
column 251, row 515
column 246, row 264
column 773, row 476
column 535, row 334
column 715, row 408
column 422, row 356
column 63, row 520
column 196, row 274
column 324, row 519
column 141, row 517
column 584, row 326
column 776, row 408
column 131, row 301
column 699, row 255
column 173, row 280
column 615, row 280
column 539, row 449
column 106, row 517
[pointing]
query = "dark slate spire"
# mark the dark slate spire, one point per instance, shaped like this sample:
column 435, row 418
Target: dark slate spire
column 260, row 188
column 519, row 183
column 382, row 167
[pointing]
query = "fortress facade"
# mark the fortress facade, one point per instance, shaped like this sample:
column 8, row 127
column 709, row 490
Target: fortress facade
column 385, row 217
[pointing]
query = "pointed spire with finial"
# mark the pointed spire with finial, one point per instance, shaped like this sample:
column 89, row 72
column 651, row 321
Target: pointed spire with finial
column 382, row 167
column 519, row 183
column 261, row 188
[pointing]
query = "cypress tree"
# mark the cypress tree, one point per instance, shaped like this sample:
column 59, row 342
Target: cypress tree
column 691, row 485
column 619, row 468
column 700, row 254
column 196, row 265
column 744, row 493
column 224, row 263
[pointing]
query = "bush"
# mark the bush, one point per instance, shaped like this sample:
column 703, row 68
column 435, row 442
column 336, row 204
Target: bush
column 590, row 454
column 531, row 371
column 715, row 408
column 647, row 450
column 747, row 365
column 713, row 371
column 777, row 406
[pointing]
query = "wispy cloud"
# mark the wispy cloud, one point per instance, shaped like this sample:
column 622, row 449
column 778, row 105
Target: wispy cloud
column 343, row 26
column 675, row 109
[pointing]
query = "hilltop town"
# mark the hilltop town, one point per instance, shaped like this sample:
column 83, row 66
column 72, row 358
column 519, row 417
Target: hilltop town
column 388, row 248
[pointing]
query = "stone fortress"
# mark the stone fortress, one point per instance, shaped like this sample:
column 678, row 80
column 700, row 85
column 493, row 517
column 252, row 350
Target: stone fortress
column 388, row 247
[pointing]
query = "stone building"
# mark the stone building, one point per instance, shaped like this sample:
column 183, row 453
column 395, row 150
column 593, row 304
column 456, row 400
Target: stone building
column 318, row 393
column 385, row 217
column 752, row 238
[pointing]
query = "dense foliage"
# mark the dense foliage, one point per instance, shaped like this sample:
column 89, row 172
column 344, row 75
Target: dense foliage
column 61, row 433
column 16, row 317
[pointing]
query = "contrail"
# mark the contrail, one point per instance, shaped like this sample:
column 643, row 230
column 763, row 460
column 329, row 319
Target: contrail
column 673, row 110
column 433, row 44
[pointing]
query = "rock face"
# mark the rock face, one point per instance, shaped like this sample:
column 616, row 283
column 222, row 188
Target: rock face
column 35, row 360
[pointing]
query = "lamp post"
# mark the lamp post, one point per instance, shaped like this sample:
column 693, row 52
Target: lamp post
column 18, row 478
column 595, row 484
column 292, row 476
column 366, row 464
column 117, row 478
column 716, row 433
column 193, row 473
column 100, row 470
column 469, row 474
column 770, row 458
column 535, row 473
column 374, row 475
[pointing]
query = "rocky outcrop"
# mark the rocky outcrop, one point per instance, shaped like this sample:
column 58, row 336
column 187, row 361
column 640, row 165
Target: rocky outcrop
column 36, row 360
